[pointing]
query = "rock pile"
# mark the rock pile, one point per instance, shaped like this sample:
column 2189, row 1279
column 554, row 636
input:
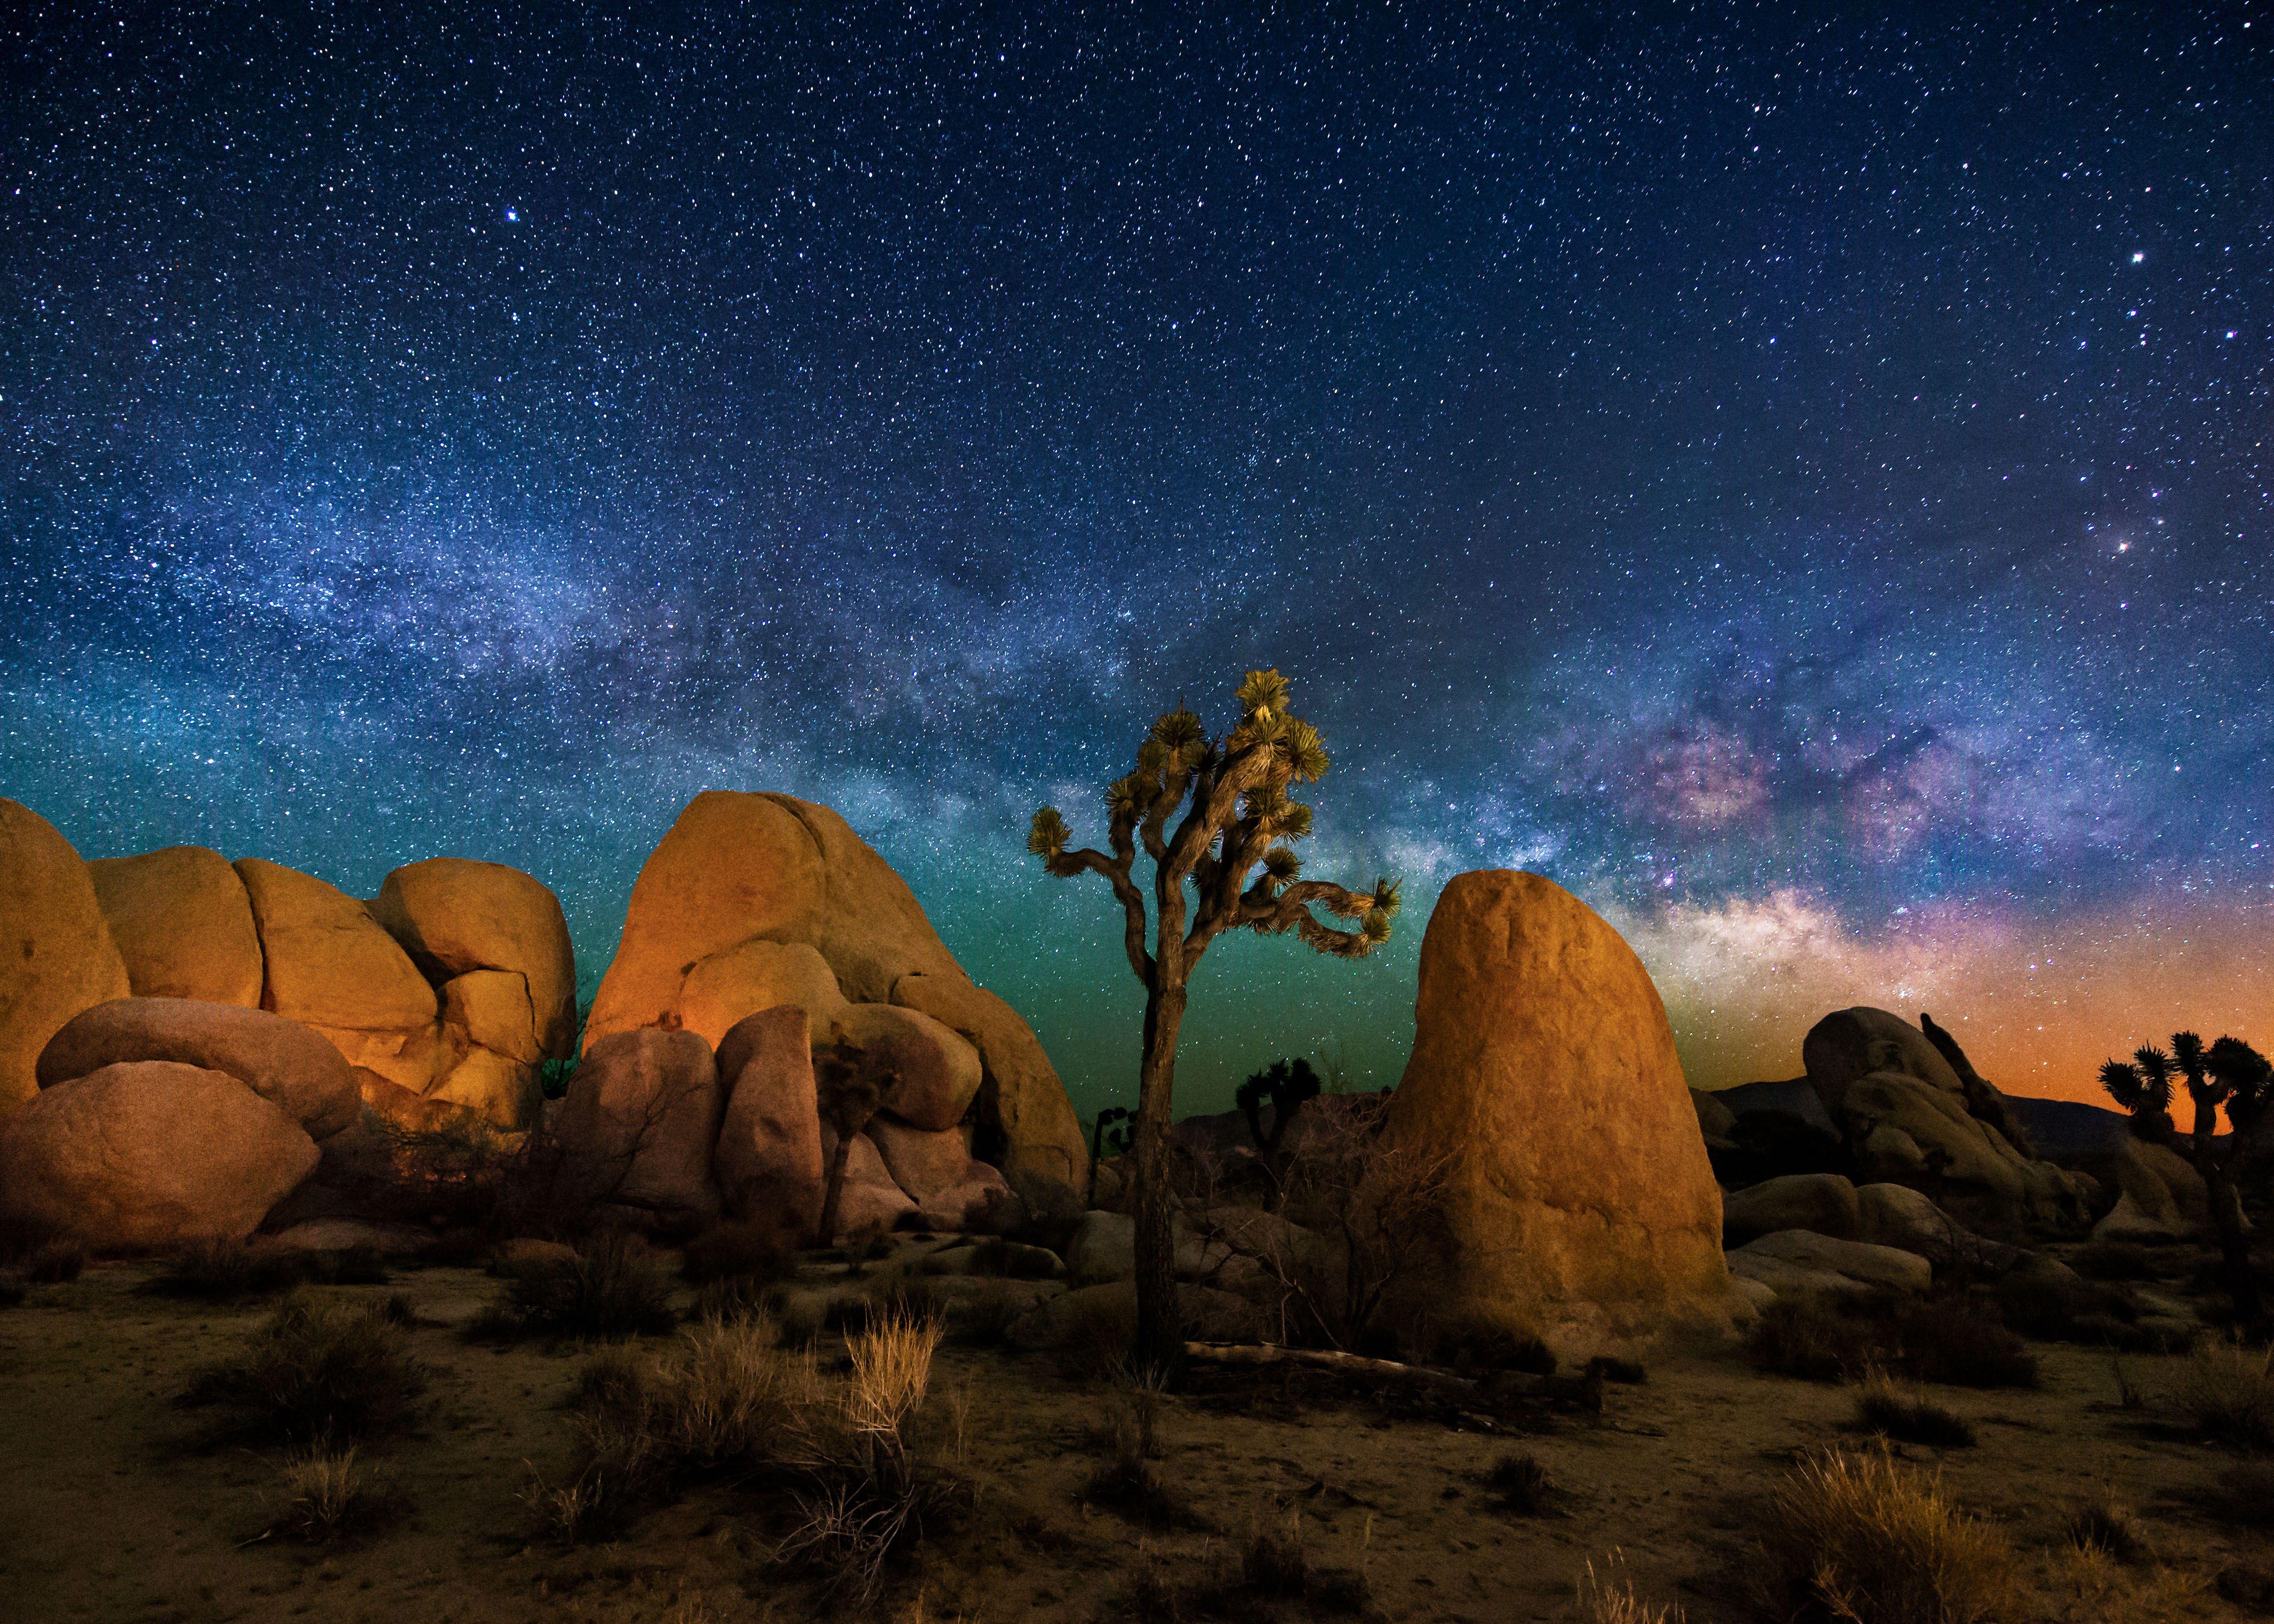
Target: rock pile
column 752, row 902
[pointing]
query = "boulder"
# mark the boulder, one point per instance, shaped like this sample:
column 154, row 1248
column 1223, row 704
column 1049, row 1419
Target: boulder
column 1823, row 1203
column 1899, row 1217
column 641, row 1117
column 183, row 925
column 2160, row 1196
column 1797, row 1262
column 503, row 1091
column 58, row 952
column 870, row 1202
column 735, row 867
column 329, row 966
column 1907, row 1129
column 490, row 1009
column 981, row 1203
column 1581, row 1204
column 924, row 1161
column 933, row 1074
column 281, row 1060
column 1023, row 1121
column 756, row 975
column 1103, row 1248
column 1849, row 1044
column 1714, row 1119
column 149, row 1153
column 768, row 1154
column 1208, row 1315
column 455, row 916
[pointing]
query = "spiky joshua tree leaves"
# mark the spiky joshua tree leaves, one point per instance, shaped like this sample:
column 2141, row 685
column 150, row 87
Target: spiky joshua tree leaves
column 2228, row 1073
column 1216, row 820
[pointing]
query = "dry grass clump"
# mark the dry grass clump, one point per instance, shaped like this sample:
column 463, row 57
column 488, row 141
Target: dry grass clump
column 1521, row 1484
column 1887, row 1407
column 315, row 1371
column 223, row 1270
column 2227, row 1393
column 1796, row 1337
column 1124, row 1482
column 1609, row 1597
column 330, row 1495
column 1952, row 1342
column 612, row 1289
column 55, row 1263
column 2107, row 1527
column 2243, row 1496
column 1860, row 1538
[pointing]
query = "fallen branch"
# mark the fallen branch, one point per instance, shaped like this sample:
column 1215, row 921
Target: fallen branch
column 1499, row 1387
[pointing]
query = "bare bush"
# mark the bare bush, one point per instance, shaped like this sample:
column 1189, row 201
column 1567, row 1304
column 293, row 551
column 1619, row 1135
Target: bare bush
column 329, row 1494
column 316, row 1371
column 1374, row 1210
column 2227, row 1391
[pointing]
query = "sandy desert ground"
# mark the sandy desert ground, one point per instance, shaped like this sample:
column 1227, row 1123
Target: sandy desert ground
column 120, row 1507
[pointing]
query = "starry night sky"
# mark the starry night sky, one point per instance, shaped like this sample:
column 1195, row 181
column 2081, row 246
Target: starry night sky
column 1801, row 482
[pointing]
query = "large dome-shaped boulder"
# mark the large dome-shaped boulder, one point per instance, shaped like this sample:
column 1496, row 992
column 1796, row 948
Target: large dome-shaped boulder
column 768, row 1156
column 281, row 1060
column 870, row 1202
column 1025, row 1123
column 57, row 956
column 1581, row 1203
column 457, row 915
column 149, row 1153
column 182, row 924
column 329, row 966
column 641, row 1118
column 1848, row 1045
column 737, row 867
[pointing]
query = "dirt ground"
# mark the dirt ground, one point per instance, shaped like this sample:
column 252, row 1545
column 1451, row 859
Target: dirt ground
column 113, row 1507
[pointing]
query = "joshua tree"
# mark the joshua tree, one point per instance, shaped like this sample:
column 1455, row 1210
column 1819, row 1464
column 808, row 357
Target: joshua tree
column 849, row 1093
column 2231, row 1073
column 1208, row 813
column 1286, row 1085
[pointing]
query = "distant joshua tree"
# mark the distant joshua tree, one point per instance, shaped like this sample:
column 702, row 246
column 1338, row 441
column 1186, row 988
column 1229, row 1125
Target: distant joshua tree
column 2229, row 1074
column 1206, row 812
column 1286, row 1086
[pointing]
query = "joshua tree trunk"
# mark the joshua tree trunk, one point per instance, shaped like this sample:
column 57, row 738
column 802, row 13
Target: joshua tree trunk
column 832, row 1189
column 2227, row 1217
column 1160, row 1327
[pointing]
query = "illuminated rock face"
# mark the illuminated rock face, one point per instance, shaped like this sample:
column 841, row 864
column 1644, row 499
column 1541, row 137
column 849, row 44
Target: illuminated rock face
column 754, row 902
column 57, row 954
column 149, row 1153
column 182, row 923
column 281, row 1060
column 1582, row 1203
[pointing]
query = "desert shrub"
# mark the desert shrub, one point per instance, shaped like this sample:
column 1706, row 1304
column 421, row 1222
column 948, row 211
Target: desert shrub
column 984, row 1320
column 1891, row 1410
column 1953, row 1343
column 1123, row 1481
column 613, row 1378
column 398, row 1309
column 2058, row 1308
column 2227, row 1393
column 737, row 1297
column 1494, row 1349
column 1275, row 1564
column 1799, row 1336
column 218, row 1270
column 11, row 1291
column 1521, row 1484
column 1860, row 1538
column 1101, row 1334
column 869, row 1497
column 748, row 1249
column 54, row 1262
column 2107, row 1526
column 611, row 1289
column 316, row 1369
column 329, row 1494
column 1628, row 1373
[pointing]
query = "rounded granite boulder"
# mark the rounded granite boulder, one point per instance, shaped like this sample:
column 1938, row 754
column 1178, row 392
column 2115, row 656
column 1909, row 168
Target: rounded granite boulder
column 281, row 1060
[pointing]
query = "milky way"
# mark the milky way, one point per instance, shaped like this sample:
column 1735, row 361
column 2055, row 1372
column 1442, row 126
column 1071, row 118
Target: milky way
column 1801, row 484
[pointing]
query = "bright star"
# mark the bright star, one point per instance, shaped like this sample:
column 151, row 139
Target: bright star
column 513, row 214
column 2137, row 258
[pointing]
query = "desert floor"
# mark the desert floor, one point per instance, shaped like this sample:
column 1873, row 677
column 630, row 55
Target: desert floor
column 113, row 1506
